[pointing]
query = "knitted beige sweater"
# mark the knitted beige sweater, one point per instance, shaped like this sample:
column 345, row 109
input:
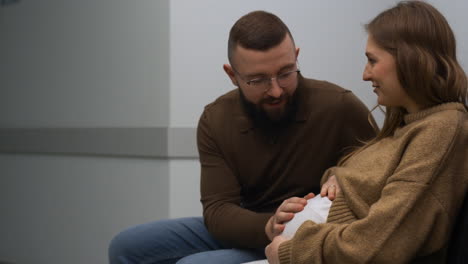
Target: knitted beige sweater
column 399, row 196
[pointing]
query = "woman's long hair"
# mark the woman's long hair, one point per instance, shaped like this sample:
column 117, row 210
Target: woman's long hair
column 424, row 47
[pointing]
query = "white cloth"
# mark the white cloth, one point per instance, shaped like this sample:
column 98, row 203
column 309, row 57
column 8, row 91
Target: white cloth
column 317, row 209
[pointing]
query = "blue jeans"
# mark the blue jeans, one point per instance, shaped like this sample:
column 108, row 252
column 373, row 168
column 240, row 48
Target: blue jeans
column 183, row 240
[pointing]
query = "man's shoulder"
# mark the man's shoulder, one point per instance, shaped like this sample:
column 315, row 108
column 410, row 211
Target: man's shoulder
column 223, row 107
column 224, row 102
column 323, row 87
column 320, row 92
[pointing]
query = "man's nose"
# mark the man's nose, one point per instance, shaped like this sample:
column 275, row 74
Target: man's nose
column 275, row 90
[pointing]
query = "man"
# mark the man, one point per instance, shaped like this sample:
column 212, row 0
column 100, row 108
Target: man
column 269, row 140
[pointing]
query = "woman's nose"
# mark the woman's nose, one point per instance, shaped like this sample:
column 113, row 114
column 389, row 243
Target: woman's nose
column 366, row 75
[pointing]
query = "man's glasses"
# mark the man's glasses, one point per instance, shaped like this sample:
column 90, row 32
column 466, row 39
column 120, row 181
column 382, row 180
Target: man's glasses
column 284, row 80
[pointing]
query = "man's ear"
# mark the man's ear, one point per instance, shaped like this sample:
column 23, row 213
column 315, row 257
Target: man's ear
column 231, row 74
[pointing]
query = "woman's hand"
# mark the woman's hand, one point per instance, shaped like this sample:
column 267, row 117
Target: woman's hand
column 330, row 188
column 285, row 213
column 271, row 251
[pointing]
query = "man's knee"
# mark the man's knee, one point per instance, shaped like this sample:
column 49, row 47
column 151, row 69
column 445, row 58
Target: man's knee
column 196, row 258
column 225, row 256
column 119, row 248
column 159, row 241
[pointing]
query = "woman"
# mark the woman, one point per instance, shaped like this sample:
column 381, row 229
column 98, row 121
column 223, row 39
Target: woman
column 400, row 193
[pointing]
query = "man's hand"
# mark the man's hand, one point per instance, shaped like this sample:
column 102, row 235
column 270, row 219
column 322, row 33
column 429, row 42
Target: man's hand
column 330, row 188
column 271, row 251
column 285, row 213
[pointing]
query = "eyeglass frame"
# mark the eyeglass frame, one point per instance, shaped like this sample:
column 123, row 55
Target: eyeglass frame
column 269, row 79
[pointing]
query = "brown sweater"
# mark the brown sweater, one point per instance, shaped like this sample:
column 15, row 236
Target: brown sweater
column 400, row 196
column 246, row 172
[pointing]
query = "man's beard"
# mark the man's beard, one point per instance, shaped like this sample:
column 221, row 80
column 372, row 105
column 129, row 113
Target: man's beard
column 277, row 119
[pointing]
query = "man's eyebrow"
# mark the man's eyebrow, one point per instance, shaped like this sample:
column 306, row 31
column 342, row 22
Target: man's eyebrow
column 255, row 75
column 261, row 74
column 289, row 66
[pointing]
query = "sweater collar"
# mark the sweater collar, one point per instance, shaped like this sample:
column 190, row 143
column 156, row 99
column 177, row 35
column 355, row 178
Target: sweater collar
column 246, row 123
column 409, row 118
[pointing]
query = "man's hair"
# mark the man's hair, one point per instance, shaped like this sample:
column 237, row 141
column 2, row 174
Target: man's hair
column 257, row 30
column 424, row 47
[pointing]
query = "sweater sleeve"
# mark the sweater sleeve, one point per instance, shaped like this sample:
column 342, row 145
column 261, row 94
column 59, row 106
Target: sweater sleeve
column 407, row 220
column 221, row 197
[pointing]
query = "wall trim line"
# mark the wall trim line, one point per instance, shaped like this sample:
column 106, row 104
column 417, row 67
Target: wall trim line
column 143, row 142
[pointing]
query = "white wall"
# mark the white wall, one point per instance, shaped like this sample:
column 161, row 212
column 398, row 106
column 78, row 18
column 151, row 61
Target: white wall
column 455, row 13
column 84, row 63
column 64, row 209
column 184, row 198
column 80, row 64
